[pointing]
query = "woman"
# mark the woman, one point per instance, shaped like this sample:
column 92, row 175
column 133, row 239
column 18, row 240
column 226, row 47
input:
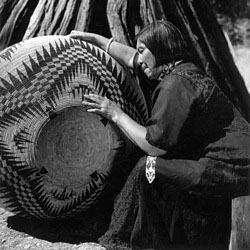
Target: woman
column 197, row 144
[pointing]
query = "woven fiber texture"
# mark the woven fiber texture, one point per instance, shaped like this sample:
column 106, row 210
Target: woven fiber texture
column 55, row 157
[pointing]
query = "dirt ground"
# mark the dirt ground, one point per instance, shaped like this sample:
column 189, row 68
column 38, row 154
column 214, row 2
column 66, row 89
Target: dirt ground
column 29, row 234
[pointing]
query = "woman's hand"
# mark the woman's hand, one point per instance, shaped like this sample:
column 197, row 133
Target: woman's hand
column 121, row 52
column 98, row 40
column 82, row 35
column 134, row 131
column 103, row 106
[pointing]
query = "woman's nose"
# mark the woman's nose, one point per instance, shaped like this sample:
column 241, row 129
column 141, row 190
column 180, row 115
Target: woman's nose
column 139, row 60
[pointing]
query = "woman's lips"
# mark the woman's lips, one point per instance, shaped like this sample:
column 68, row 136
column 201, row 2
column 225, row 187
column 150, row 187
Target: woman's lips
column 147, row 71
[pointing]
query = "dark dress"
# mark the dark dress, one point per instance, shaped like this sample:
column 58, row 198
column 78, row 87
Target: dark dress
column 206, row 165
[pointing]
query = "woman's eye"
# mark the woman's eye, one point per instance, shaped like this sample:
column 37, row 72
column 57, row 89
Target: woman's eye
column 140, row 50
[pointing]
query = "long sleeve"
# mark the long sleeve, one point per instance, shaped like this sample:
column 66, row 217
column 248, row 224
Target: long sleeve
column 172, row 101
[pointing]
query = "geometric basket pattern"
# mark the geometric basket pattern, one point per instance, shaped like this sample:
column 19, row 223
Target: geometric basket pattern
column 55, row 157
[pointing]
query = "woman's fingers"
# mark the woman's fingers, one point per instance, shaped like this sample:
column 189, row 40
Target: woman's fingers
column 93, row 110
column 73, row 33
column 94, row 101
column 93, row 107
column 91, row 104
column 76, row 34
column 93, row 97
column 103, row 106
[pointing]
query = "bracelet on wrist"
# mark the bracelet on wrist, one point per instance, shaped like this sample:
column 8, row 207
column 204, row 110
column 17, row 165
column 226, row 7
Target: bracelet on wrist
column 108, row 44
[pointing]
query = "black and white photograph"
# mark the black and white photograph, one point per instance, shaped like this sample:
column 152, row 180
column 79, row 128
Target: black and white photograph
column 124, row 125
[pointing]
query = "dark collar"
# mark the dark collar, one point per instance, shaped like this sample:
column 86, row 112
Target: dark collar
column 188, row 66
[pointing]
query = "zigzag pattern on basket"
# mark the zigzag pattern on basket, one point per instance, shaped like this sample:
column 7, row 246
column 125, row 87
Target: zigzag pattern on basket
column 51, row 74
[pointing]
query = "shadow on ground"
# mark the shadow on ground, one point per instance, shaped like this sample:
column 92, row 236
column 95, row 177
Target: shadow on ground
column 84, row 228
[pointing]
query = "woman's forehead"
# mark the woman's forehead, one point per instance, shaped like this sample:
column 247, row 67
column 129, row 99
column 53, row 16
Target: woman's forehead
column 140, row 44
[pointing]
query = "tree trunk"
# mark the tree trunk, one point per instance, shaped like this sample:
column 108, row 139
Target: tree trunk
column 84, row 16
column 116, row 13
column 50, row 18
column 12, row 14
column 240, row 234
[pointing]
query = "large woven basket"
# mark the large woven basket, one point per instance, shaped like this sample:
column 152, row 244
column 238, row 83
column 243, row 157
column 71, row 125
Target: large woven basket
column 55, row 157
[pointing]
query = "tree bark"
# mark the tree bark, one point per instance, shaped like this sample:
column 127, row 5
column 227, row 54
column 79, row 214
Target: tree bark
column 7, row 28
column 156, row 10
column 84, row 15
column 116, row 13
column 240, row 234
column 3, row 10
column 35, row 20
column 51, row 18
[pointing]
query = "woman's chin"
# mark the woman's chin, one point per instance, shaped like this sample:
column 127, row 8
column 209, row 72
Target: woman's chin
column 149, row 74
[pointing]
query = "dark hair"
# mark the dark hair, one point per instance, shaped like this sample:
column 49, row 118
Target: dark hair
column 165, row 41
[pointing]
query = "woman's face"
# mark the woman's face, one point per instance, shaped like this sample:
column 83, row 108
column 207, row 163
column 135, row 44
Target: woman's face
column 147, row 61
